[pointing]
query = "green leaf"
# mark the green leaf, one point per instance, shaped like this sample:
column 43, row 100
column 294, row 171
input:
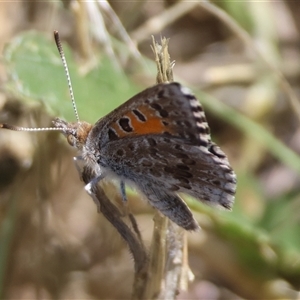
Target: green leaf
column 37, row 75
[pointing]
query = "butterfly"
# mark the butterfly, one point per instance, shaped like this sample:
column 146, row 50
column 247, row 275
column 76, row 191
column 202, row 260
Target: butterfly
column 159, row 143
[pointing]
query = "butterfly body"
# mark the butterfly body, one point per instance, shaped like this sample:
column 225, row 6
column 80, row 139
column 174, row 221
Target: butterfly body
column 159, row 142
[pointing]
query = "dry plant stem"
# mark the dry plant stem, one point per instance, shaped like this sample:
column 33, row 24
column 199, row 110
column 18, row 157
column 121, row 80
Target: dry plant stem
column 186, row 273
column 132, row 237
column 164, row 278
column 176, row 266
column 162, row 60
column 119, row 28
column 157, row 257
column 158, row 23
column 246, row 38
column 97, row 29
column 95, row 21
column 82, row 29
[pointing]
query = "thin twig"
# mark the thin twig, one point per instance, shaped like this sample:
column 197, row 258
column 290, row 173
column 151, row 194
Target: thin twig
column 167, row 267
column 132, row 237
column 159, row 22
column 246, row 38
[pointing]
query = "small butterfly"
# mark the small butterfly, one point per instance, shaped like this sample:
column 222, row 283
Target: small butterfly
column 158, row 142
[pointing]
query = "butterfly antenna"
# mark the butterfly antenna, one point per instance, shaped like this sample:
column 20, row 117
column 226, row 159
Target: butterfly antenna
column 18, row 128
column 63, row 58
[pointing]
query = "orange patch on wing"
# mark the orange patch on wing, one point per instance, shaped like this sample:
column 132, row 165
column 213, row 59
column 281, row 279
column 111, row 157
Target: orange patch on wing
column 153, row 123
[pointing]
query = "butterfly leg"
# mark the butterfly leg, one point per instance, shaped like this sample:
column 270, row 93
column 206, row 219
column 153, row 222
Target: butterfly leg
column 123, row 192
column 92, row 183
column 124, row 198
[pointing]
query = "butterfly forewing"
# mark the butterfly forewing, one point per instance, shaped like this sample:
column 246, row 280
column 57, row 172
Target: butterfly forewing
column 167, row 109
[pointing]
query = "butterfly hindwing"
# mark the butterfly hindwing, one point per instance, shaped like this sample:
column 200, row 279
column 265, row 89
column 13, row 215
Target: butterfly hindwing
column 205, row 175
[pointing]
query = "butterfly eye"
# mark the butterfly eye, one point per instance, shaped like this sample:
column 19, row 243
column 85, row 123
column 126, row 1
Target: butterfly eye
column 71, row 140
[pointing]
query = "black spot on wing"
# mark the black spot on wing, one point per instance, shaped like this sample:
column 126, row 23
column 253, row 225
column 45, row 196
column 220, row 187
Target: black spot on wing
column 120, row 152
column 112, row 135
column 125, row 124
column 139, row 115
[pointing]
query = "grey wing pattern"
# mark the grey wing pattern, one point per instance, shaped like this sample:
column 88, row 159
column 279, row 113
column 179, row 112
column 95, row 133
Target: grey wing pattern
column 160, row 167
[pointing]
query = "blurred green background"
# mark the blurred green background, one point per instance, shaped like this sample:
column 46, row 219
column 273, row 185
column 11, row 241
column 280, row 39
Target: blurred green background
column 53, row 244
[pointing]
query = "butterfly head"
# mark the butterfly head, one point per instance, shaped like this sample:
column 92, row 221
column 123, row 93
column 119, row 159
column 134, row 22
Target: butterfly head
column 75, row 132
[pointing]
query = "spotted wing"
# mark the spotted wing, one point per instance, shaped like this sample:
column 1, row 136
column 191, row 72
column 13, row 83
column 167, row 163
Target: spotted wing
column 203, row 173
column 164, row 109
